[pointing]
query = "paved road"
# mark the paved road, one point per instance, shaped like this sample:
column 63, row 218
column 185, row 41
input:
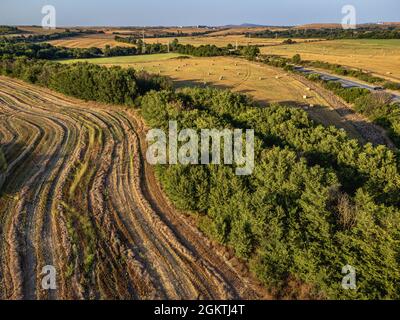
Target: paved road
column 345, row 82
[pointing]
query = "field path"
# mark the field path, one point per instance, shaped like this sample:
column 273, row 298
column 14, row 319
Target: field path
column 79, row 196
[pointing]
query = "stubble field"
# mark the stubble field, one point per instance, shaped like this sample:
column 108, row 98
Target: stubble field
column 378, row 56
column 79, row 196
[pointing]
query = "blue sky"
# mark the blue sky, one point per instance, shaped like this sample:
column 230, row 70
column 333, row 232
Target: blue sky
column 191, row 12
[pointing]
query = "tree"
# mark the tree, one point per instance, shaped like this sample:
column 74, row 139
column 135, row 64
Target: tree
column 251, row 52
column 296, row 59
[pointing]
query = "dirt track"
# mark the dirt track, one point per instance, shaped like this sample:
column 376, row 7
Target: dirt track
column 79, row 196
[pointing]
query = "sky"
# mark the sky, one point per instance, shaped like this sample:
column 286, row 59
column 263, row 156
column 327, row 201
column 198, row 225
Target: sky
column 195, row 12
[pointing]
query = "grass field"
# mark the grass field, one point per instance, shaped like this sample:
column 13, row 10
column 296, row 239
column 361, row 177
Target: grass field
column 378, row 56
column 263, row 83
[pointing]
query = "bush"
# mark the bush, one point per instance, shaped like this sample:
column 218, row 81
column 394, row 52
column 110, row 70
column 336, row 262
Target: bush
column 315, row 202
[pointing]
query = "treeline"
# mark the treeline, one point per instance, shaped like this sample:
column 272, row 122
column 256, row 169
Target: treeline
column 317, row 200
column 175, row 46
column 51, row 36
column 50, row 52
column 9, row 30
column 85, row 81
column 328, row 33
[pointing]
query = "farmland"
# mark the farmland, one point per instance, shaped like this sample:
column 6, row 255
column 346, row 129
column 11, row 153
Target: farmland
column 264, row 84
column 97, row 41
column 378, row 56
column 223, row 41
column 81, row 192
column 78, row 196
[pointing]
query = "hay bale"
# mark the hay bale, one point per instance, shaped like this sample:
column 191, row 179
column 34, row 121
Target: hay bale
column 305, row 97
column 308, row 89
column 221, row 78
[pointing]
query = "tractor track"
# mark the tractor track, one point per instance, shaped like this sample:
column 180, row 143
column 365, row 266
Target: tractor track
column 79, row 195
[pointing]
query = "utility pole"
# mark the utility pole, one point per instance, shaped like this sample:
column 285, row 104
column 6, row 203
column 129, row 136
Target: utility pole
column 144, row 45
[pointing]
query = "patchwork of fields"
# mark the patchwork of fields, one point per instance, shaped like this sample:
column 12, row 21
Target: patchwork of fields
column 88, row 42
column 223, row 41
column 379, row 56
column 264, row 84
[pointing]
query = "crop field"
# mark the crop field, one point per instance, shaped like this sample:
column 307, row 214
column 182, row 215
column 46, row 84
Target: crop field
column 264, row 84
column 223, row 41
column 98, row 41
column 378, row 56
column 78, row 196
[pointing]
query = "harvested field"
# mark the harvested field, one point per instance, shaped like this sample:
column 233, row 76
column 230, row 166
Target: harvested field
column 265, row 84
column 378, row 56
column 98, row 41
column 78, row 196
column 223, row 41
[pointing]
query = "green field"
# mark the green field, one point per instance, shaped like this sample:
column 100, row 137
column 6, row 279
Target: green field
column 127, row 59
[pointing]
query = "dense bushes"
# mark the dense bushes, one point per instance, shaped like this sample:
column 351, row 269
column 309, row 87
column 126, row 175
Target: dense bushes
column 9, row 30
column 315, row 202
column 200, row 51
column 350, row 95
column 49, row 52
column 175, row 46
column 85, row 81
column 378, row 108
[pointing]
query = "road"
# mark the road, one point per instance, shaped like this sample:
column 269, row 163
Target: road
column 346, row 83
